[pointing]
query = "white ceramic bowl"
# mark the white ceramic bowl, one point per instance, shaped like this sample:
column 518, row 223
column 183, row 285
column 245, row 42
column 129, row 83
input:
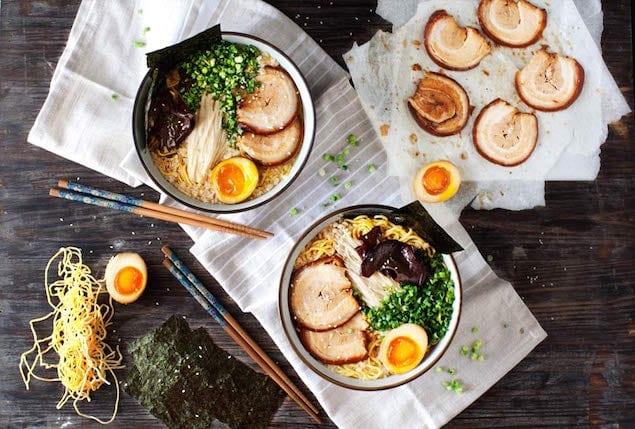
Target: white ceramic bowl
column 308, row 112
column 431, row 357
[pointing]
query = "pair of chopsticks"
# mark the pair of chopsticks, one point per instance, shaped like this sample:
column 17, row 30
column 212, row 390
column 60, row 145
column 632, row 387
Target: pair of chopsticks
column 229, row 324
column 89, row 195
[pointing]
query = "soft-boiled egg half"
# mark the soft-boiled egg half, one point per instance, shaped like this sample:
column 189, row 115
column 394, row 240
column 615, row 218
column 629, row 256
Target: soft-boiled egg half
column 234, row 179
column 403, row 348
column 436, row 182
column 126, row 277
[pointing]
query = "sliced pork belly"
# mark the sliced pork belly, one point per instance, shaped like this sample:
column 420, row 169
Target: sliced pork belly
column 272, row 149
column 451, row 46
column 346, row 344
column 321, row 295
column 440, row 105
column 504, row 135
column 512, row 23
column 550, row 81
column 273, row 104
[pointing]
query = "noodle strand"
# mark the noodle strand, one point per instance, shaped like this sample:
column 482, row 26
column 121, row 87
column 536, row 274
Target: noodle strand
column 79, row 330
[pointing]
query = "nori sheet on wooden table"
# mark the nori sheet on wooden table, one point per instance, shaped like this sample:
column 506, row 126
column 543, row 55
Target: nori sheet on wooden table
column 185, row 380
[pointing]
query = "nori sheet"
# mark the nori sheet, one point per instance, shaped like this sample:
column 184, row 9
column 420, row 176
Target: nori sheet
column 166, row 58
column 185, row 380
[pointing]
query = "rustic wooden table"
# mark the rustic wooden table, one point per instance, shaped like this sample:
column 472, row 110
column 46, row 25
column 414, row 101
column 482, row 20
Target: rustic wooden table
column 571, row 261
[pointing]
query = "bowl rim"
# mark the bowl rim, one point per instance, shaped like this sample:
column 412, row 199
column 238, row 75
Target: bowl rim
column 289, row 327
column 139, row 109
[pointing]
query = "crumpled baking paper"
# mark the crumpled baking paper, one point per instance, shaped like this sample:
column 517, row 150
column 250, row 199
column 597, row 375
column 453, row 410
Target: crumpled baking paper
column 385, row 72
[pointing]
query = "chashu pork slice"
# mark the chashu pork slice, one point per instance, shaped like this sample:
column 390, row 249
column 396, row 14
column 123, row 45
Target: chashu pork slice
column 513, row 23
column 273, row 104
column 440, row 105
column 451, row 46
column 346, row 344
column 272, row 149
column 504, row 135
column 550, row 81
column 321, row 295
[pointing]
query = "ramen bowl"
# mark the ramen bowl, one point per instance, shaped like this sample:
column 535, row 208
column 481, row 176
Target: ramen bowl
column 295, row 321
column 306, row 112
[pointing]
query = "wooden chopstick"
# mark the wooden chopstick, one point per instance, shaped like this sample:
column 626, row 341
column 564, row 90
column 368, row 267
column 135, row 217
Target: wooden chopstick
column 85, row 189
column 142, row 211
column 235, row 331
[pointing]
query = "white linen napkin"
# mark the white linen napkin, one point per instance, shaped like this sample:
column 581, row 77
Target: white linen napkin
column 101, row 59
column 88, row 112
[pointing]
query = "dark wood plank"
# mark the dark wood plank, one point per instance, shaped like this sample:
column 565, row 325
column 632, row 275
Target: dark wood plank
column 571, row 261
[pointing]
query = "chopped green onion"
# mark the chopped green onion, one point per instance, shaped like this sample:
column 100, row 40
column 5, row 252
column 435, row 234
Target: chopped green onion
column 328, row 157
column 346, row 151
column 505, row 325
column 475, row 355
column 114, row 96
column 474, row 329
column 451, row 371
column 465, row 350
column 145, row 30
column 340, row 159
column 322, row 172
column 454, row 385
column 215, row 71
column 138, row 44
column 430, row 306
column 490, row 258
column 326, row 204
column 344, row 167
column 438, row 369
column 348, row 185
column 335, row 197
column 352, row 140
column 335, row 180
column 293, row 211
column 372, row 168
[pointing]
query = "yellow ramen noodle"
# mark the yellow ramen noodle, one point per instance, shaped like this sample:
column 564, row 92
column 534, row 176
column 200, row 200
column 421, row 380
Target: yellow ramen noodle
column 82, row 358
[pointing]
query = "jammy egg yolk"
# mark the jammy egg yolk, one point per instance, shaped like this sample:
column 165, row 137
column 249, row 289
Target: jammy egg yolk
column 436, row 182
column 231, row 180
column 126, row 277
column 128, row 280
column 234, row 179
column 403, row 352
column 403, row 348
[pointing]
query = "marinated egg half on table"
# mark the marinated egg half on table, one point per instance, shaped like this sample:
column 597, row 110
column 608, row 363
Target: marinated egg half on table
column 126, row 277
column 436, row 182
